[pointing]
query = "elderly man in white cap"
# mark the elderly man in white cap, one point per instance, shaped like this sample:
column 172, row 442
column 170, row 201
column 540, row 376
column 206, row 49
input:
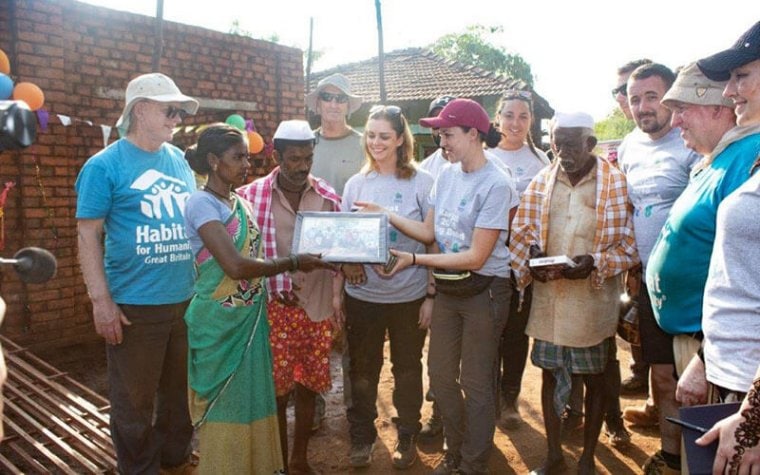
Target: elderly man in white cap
column 141, row 279
column 338, row 153
column 577, row 208
column 300, row 308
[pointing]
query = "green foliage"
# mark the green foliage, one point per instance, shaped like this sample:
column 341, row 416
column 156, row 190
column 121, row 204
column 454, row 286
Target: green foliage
column 614, row 126
column 236, row 29
column 473, row 48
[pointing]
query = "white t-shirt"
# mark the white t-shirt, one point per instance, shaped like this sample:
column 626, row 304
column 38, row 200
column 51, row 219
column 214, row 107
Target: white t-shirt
column 523, row 163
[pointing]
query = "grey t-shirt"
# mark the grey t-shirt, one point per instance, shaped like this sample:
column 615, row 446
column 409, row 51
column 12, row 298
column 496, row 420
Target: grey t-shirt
column 407, row 198
column 731, row 308
column 336, row 160
column 465, row 201
column 523, row 163
column 657, row 172
column 200, row 209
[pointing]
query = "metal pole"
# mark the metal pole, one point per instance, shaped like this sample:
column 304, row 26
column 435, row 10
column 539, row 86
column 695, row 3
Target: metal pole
column 158, row 46
column 380, row 54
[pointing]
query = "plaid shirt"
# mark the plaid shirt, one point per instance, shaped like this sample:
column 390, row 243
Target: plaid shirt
column 259, row 193
column 614, row 249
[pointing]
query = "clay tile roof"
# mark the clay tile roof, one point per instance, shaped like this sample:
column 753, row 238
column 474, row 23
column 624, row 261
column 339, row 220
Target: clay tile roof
column 414, row 74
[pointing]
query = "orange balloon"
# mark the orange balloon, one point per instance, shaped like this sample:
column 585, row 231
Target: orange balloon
column 29, row 93
column 5, row 63
column 255, row 143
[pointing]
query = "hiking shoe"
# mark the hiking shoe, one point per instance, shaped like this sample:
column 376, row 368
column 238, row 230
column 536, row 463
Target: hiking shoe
column 449, row 465
column 656, row 465
column 405, row 452
column 635, row 384
column 645, row 416
column 432, row 428
column 510, row 417
column 319, row 412
column 618, row 437
column 361, row 455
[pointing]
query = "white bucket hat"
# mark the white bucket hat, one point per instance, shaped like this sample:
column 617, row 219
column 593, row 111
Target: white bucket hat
column 341, row 82
column 155, row 87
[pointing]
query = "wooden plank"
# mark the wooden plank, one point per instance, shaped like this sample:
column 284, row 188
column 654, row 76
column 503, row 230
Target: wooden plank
column 54, row 438
column 8, row 466
column 96, row 453
column 61, row 405
column 39, row 447
column 18, row 450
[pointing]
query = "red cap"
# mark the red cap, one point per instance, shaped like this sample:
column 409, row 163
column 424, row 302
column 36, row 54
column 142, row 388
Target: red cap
column 460, row 113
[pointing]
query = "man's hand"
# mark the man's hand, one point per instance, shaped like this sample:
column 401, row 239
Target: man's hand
column 338, row 318
column 582, row 270
column 692, row 385
column 539, row 274
column 108, row 319
column 354, row 274
column 289, row 299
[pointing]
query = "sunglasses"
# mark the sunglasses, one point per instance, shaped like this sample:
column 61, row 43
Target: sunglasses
column 621, row 89
column 329, row 97
column 172, row 112
column 518, row 94
column 389, row 110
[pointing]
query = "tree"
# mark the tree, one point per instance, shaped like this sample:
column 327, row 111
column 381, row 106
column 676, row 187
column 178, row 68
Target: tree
column 614, row 126
column 236, row 29
column 473, row 48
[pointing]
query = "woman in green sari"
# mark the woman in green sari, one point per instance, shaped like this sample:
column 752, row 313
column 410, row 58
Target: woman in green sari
column 232, row 397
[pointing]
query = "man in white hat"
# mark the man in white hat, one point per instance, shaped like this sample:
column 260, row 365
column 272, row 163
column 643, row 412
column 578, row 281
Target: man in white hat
column 575, row 307
column 300, row 309
column 140, row 279
column 338, row 153
column 657, row 165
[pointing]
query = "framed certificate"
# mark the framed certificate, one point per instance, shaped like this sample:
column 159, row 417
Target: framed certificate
column 342, row 237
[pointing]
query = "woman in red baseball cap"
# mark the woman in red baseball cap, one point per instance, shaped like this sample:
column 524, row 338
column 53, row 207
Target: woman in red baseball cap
column 470, row 208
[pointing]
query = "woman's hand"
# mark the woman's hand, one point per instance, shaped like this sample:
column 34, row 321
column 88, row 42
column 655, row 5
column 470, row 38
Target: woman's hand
column 403, row 260
column 426, row 314
column 369, row 207
column 724, row 432
column 354, row 274
column 310, row 262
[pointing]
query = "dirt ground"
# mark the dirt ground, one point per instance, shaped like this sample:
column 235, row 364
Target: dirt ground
column 516, row 451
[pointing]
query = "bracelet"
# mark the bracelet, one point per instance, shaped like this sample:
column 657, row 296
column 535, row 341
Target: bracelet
column 430, row 295
column 414, row 259
column 293, row 262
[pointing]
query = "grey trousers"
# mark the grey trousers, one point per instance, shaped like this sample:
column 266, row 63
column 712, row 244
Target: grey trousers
column 463, row 358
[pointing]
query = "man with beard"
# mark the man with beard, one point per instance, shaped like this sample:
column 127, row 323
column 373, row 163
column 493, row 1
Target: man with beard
column 657, row 165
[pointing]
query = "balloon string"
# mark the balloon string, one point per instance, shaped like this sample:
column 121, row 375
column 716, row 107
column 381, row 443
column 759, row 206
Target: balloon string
column 48, row 209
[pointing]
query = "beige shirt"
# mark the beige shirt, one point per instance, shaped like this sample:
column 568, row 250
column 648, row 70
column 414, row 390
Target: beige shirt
column 571, row 312
column 314, row 288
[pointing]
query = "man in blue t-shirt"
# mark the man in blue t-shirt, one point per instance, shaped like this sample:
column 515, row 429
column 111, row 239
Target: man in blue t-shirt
column 140, row 278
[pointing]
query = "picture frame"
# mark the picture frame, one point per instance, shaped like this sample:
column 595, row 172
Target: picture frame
column 342, row 237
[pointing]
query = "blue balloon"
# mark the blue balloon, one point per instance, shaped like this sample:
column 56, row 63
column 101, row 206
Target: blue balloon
column 6, row 87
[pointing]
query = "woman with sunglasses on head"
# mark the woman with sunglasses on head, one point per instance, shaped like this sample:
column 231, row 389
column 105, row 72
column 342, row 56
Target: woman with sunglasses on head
column 232, row 396
column 516, row 150
column 471, row 205
column 375, row 304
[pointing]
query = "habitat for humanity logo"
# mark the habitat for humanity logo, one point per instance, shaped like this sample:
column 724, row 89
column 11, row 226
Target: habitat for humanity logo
column 162, row 192
column 163, row 201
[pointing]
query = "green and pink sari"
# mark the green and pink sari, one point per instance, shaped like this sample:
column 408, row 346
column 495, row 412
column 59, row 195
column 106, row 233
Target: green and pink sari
column 232, row 397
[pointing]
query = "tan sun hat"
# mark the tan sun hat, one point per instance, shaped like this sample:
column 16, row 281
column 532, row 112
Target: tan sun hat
column 155, row 87
column 341, row 82
column 693, row 87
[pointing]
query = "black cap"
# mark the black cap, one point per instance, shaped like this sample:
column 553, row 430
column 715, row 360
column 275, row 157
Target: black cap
column 747, row 49
column 439, row 103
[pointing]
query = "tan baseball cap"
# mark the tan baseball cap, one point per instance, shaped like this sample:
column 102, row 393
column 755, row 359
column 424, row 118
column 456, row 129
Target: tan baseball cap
column 693, row 87
column 155, row 87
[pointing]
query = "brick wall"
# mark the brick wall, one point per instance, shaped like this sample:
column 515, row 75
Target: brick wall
column 82, row 57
